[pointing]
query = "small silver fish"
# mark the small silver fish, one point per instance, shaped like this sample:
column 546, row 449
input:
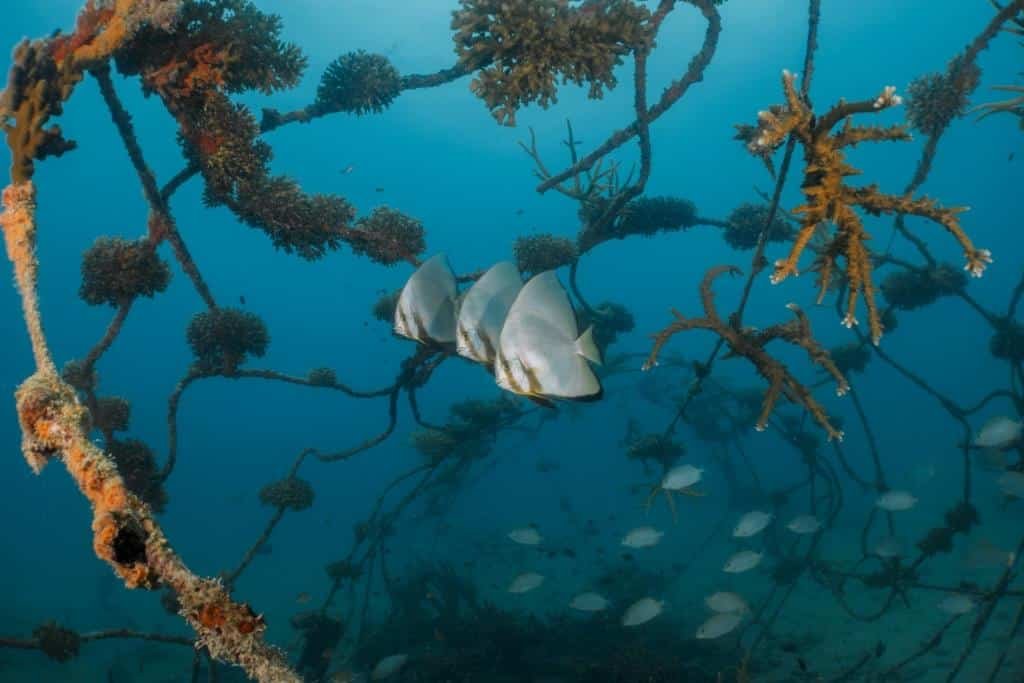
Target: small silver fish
column 957, row 603
column 896, row 501
column 389, row 666
column 719, row 625
column 642, row 611
column 589, row 602
column 524, row 583
column 348, row 169
column 681, row 477
column 890, row 547
column 525, row 536
column 743, row 561
column 999, row 432
column 804, row 524
column 724, row 602
column 642, row 537
column 751, row 524
column 1012, row 484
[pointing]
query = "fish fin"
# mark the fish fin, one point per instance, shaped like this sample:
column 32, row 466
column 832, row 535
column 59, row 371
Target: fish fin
column 586, row 347
column 589, row 398
column 542, row 401
column 690, row 491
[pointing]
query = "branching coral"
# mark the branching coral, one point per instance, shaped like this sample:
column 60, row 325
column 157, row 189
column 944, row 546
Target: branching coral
column 469, row 432
column 290, row 493
column 228, row 46
column 850, row 358
column 523, row 46
column 1008, row 341
column 745, row 223
column 934, row 100
column 115, row 271
column 829, row 200
column 384, row 307
column 644, row 216
column 57, row 642
column 657, row 448
column 112, row 414
column 537, row 253
column 909, row 289
column 137, row 466
column 322, row 377
column 357, row 83
column 388, row 236
column 221, row 338
column 750, row 343
column 609, row 320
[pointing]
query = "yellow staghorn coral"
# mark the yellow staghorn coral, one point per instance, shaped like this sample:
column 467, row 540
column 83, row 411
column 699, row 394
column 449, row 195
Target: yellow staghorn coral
column 125, row 534
column 749, row 343
column 828, row 199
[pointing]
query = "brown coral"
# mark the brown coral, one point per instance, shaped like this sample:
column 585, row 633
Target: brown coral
column 828, row 199
column 523, row 46
column 749, row 343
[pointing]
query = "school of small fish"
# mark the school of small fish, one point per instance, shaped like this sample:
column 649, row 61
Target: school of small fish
column 526, row 334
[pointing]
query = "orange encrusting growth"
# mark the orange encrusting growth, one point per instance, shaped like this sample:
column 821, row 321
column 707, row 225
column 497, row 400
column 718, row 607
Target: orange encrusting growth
column 55, row 423
column 828, row 199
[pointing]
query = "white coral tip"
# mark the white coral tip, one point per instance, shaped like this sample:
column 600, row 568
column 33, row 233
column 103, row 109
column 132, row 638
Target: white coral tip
column 842, row 389
column 849, row 321
column 759, row 427
column 792, row 306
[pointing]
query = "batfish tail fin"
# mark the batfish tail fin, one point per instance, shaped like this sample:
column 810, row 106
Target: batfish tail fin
column 586, row 347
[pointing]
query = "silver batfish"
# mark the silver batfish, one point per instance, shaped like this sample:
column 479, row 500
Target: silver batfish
column 426, row 306
column 540, row 352
column 483, row 310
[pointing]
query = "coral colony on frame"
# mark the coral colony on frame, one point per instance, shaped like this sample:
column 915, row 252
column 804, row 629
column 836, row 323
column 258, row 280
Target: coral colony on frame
column 196, row 56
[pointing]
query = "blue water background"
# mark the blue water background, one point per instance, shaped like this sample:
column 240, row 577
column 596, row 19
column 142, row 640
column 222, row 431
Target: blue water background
column 441, row 158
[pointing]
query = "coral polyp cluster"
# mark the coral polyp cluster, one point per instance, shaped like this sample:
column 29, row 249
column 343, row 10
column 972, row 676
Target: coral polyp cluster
column 137, row 466
column 522, row 47
column 935, row 100
column 909, row 289
column 115, row 271
column 745, row 223
column 222, row 338
column 358, row 83
column 537, row 253
column 388, row 236
column 290, row 493
column 655, row 448
column 830, row 201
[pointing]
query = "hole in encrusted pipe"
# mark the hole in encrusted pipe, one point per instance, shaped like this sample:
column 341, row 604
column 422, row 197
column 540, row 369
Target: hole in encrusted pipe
column 129, row 545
